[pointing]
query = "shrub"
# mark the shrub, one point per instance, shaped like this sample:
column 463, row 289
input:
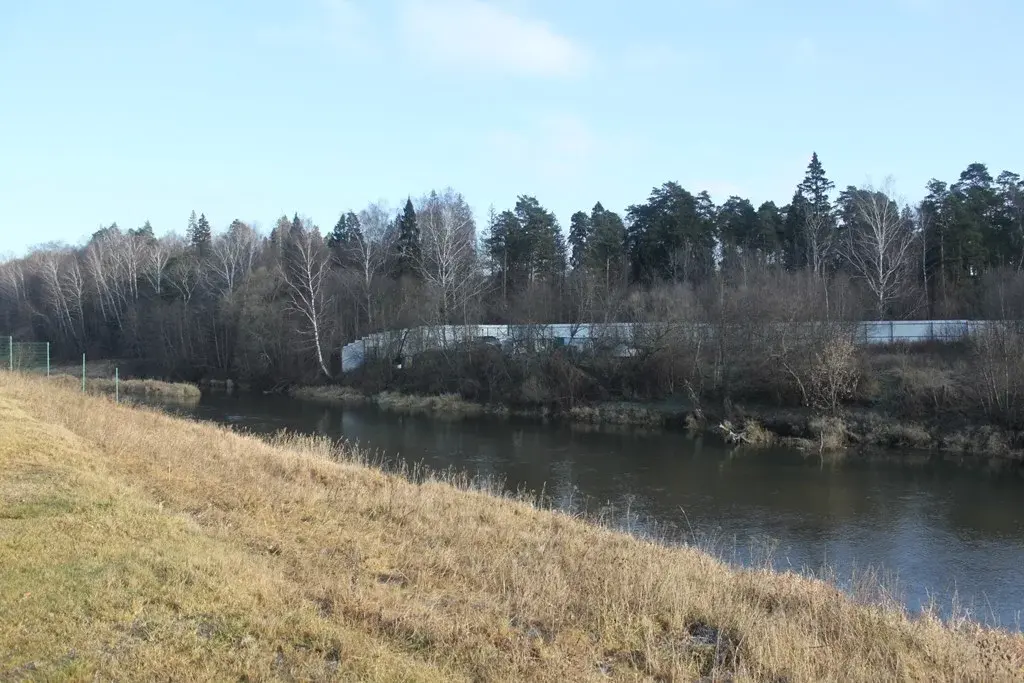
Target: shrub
column 997, row 369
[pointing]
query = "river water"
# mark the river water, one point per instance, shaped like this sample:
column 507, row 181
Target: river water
column 934, row 532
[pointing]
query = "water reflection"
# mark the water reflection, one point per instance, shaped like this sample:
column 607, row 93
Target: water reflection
column 940, row 530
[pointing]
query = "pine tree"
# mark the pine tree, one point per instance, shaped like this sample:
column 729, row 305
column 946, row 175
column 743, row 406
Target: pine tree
column 739, row 228
column 407, row 246
column 507, row 249
column 545, row 244
column 606, row 246
column 672, row 236
column 794, row 220
column 580, row 228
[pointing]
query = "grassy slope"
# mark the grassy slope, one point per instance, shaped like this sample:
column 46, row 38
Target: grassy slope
column 134, row 542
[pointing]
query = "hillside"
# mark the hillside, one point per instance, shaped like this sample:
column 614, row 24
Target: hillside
column 136, row 544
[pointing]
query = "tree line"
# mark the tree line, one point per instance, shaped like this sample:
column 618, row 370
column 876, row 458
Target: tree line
column 276, row 307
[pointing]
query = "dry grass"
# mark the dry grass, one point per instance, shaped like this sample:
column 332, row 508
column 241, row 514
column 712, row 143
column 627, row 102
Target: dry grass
column 150, row 388
column 446, row 406
column 618, row 414
column 828, row 433
column 331, row 395
column 136, row 545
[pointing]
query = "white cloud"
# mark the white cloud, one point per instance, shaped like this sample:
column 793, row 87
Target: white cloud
column 472, row 34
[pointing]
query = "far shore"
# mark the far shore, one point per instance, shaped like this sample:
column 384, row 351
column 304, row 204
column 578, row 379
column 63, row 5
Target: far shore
column 744, row 426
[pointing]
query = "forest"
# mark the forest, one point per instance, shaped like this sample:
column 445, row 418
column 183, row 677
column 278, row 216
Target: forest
column 274, row 307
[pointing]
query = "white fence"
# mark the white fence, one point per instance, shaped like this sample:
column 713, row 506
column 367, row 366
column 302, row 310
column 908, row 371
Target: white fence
column 408, row 342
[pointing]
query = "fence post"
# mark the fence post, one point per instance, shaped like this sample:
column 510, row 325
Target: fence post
column 117, row 386
column 47, row 359
column 83, row 373
column 10, row 349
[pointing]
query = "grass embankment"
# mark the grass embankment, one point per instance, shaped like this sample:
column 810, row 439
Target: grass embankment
column 148, row 388
column 134, row 544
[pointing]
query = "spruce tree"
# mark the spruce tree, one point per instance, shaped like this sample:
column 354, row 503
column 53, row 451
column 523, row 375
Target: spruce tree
column 816, row 187
column 199, row 233
column 145, row 232
column 340, row 235
column 408, row 241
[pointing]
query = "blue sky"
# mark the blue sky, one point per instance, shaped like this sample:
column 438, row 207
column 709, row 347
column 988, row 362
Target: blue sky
column 127, row 111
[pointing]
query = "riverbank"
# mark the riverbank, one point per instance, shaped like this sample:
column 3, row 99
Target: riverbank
column 146, row 388
column 748, row 426
column 194, row 551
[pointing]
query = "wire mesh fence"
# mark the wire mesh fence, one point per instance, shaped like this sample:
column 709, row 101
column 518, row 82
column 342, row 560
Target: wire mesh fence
column 34, row 357
column 21, row 356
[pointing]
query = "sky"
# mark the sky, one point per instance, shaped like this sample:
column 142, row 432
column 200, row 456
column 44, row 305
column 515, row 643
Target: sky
column 125, row 111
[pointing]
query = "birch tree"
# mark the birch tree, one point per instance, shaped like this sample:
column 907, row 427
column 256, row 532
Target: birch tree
column 233, row 255
column 879, row 247
column 306, row 269
column 448, row 258
column 370, row 246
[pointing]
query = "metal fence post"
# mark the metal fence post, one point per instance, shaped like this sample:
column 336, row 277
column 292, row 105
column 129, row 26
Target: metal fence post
column 83, row 373
column 10, row 350
column 47, row 359
column 117, row 386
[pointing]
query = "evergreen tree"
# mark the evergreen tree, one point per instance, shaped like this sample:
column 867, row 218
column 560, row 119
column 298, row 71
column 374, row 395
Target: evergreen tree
column 934, row 218
column 407, row 246
column 819, row 225
column 770, row 219
column 345, row 231
column 740, row 232
column 199, row 233
column 580, row 228
column 508, row 250
column 1008, row 220
column 545, row 245
column 606, row 246
column 672, row 235
column 816, row 187
column 794, row 222
column 145, row 232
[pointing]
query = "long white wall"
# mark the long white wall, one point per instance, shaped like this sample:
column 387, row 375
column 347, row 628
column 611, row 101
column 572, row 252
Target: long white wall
column 409, row 341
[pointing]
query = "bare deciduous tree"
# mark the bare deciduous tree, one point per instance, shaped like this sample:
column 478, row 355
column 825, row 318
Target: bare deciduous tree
column 819, row 237
column 306, row 269
column 448, row 261
column 154, row 267
column 370, row 250
column 233, row 255
column 879, row 247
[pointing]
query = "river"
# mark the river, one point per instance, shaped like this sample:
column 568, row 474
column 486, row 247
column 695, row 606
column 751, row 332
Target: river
column 933, row 531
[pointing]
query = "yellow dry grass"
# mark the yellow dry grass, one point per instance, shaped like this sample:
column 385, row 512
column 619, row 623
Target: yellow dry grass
column 137, row 545
column 150, row 388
